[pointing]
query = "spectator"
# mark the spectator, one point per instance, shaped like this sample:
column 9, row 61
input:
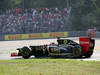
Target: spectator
column 15, row 21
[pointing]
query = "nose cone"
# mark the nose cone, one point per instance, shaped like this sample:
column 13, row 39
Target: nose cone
column 14, row 54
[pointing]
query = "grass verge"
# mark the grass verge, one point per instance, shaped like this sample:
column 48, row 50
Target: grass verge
column 49, row 67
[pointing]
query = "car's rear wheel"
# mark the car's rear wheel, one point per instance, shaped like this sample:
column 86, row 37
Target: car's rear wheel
column 77, row 52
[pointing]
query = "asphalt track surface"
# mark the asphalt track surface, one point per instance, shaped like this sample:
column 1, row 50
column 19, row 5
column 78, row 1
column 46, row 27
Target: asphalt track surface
column 7, row 47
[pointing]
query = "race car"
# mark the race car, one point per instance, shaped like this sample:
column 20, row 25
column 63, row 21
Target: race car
column 64, row 48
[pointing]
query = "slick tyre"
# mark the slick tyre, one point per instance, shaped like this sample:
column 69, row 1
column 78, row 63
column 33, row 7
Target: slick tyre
column 25, row 52
column 77, row 52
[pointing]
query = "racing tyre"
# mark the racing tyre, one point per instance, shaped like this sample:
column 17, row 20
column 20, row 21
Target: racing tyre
column 25, row 52
column 77, row 52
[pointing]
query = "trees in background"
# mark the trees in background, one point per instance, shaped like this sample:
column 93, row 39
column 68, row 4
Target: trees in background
column 85, row 14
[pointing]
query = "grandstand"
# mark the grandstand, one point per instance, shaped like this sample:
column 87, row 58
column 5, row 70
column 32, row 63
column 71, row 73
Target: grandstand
column 48, row 16
column 33, row 20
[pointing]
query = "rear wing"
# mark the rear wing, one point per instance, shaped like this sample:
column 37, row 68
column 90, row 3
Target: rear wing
column 86, row 43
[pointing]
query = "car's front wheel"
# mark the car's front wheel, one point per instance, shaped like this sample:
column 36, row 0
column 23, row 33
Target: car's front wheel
column 25, row 52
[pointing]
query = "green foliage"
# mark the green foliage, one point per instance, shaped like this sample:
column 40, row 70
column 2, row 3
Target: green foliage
column 85, row 14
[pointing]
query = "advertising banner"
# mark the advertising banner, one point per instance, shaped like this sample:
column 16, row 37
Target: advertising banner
column 35, row 36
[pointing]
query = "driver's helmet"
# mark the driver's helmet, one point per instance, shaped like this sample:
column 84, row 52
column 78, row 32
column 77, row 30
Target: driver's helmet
column 52, row 43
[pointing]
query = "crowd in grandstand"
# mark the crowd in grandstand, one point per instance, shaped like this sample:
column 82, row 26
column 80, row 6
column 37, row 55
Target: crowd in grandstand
column 32, row 20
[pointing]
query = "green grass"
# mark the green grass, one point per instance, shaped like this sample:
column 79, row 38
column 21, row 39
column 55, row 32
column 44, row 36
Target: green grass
column 49, row 67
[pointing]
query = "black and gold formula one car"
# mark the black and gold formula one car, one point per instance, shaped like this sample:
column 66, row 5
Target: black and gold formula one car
column 64, row 48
